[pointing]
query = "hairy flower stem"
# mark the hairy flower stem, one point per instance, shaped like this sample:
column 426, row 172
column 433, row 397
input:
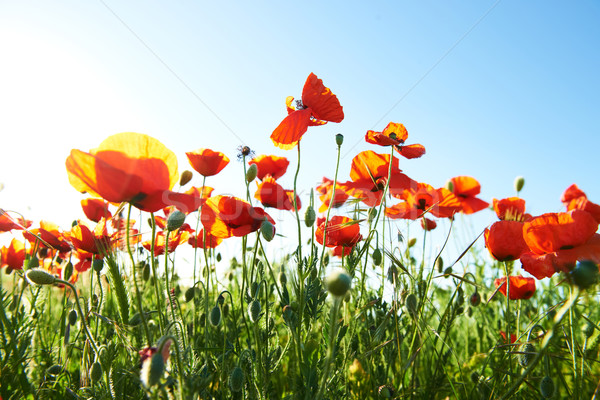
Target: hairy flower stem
column 331, row 201
column 161, row 319
column 196, row 250
column 508, row 318
column 331, row 346
column 138, row 295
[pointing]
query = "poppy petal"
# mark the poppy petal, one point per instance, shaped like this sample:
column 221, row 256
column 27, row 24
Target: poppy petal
column 324, row 104
column 290, row 130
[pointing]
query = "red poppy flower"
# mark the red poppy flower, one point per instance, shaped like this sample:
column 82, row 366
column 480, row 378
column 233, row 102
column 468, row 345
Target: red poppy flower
column 513, row 337
column 423, row 198
column 13, row 256
column 511, row 209
column 318, row 106
column 466, row 188
column 369, row 174
column 326, row 189
column 521, row 288
column 176, row 238
column 575, row 199
column 95, row 242
column 197, row 241
column 428, row 224
column 95, row 209
column 270, row 165
column 8, row 223
column 395, row 134
column 504, row 240
column 128, row 167
column 342, row 251
column 341, row 231
column 51, row 234
column 207, row 162
column 272, row 194
column 227, row 216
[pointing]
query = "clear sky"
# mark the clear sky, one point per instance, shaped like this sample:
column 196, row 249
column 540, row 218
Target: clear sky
column 492, row 89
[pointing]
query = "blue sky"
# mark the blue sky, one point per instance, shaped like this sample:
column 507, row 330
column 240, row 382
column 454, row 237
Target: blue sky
column 493, row 89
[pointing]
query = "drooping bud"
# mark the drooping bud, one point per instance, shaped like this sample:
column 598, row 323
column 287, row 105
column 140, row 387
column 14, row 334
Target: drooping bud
column 254, row 310
column 68, row 271
column 377, row 257
column 236, row 378
column 527, row 354
column 98, row 264
column 175, row 220
column 412, row 242
column 54, row 369
column 450, row 186
column 186, row 176
column 152, row 370
column 96, row 372
column 439, row 263
column 519, row 183
column 339, row 139
column 215, row 316
column 251, row 173
column 72, row 317
column 475, row 299
column 309, row 216
column 40, row 277
column 267, row 229
column 585, row 274
column 338, row 282
column 547, row 387
column 411, row 304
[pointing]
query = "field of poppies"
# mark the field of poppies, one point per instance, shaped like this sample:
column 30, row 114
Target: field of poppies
column 365, row 306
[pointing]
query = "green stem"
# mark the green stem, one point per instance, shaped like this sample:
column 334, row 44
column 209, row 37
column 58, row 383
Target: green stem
column 331, row 346
column 331, row 201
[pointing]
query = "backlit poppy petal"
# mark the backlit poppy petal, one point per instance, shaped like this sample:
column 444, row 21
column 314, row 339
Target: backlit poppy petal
column 227, row 216
column 466, row 188
column 290, row 130
column 341, row 231
column 324, row 104
column 272, row 194
column 207, row 162
column 555, row 231
column 510, row 209
column 540, row 266
column 270, row 165
column 95, row 209
column 504, row 240
column 520, row 287
column 411, row 151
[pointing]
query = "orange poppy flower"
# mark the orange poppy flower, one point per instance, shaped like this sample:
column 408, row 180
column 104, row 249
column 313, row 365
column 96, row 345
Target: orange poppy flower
column 326, row 190
column 128, row 167
column 51, row 234
column 197, row 241
column 318, row 106
column 207, row 162
column 342, row 251
column 13, row 256
column 504, row 240
column 227, row 216
column 466, row 188
column 8, row 223
column 95, row 209
column 272, row 194
column 575, row 199
column 341, row 231
column 521, row 288
column 369, row 174
column 270, row 165
column 428, row 224
column 510, row 209
column 175, row 239
column 395, row 134
column 94, row 242
column 422, row 198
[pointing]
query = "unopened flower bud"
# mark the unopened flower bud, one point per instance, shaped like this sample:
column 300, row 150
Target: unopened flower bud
column 475, row 299
column 309, row 216
column 72, row 317
column 34, row 262
column 251, row 173
column 339, row 139
column 186, row 176
column 439, row 263
column 215, row 316
column 450, row 186
column 254, row 310
column 377, row 257
column 412, row 242
column 152, row 370
column 68, row 271
column 411, row 304
column 547, row 387
column 338, row 283
column 527, row 354
column 282, row 278
column 175, row 220
column 519, row 183
column 98, row 264
column 236, row 379
column 585, row 274
column 40, row 277
column 96, row 372
column 54, row 369
column 267, row 230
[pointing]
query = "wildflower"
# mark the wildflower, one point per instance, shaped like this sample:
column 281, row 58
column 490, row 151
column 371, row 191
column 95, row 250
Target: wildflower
column 395, row 134
column 95, row 209
column 207, row 162
column 318, row 106
column 326, row 195
column 96, row 242
column 198, row 241
column 465, row 188
column 521, row 288
column 341, row 231
column 369, row 174
column 428, row 224
column 227, row 216
column 510, row 209
column 51, row 234
column 272, row 194
column 8, row 223
column 513, row 337
column 422, row 198
column 504, row 240
column 575, row 199
column 175, row 239
column 13, row 256
column 270, row 165
column 128, row 167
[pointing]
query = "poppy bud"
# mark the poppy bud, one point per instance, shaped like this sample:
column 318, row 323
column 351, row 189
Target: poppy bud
column 236, row 379
column 221, row 299
column 377, row 257
column 338, row 283
column 152, row 370
column 254, row 310
column 450, row 186
column 254, row 289
column 186, row 176
column 72, row 317
column 251, row 173
column 519, row 183
column 175, row 220
column 527, row 354
column 585, row 274
column 385, row 391
column 412, row 242
column 54, row 369
column 267, row 229
column 189, row 294
column 372, row 214
column 547, row 387
column 68, row 271
column 98, row 264
column 146, row 272
column 439, row 263
column 215, row 316
column 309, row 216
column 588, row 329
column 282, row 278
column 339, row 139
column 411, row 304
column 40, row 277
column 34, row 262
column 96, row 372
column 475, row 299
column 219, row 257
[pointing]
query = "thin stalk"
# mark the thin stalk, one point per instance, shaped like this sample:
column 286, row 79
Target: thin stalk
column 331, row 201
column 161, row 320
column 331, row 346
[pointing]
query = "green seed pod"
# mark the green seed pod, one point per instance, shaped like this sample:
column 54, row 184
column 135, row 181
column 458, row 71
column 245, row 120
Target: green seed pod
column 585, row 274
column 34, row 262
column 40, row 277
column 186, row 176
column 439, row 264
column 310, row 216
column 411, row 304
column 412, row 242
column 519, row 183
column 68, row 271
column 219, row 257
column 175, row 220
column 152, row 370
column 377, row 257
column 72, row 317
column 547, row 387
column 215, row 316
column 54, row 369
column 267, row 230
column 251, row 173
column 146, row 272
column 527, row 354
column 254, row 310
column 236, row 380
column 96, row 372
column 98, row 264
column 475, row 299
column 339, row 139
column 338, row 282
